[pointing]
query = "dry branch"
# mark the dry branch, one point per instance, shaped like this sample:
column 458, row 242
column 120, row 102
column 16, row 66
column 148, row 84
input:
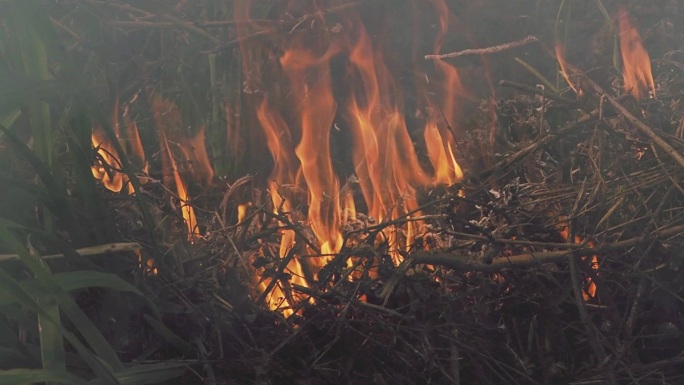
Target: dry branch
column 485, row 51
column 468, row 263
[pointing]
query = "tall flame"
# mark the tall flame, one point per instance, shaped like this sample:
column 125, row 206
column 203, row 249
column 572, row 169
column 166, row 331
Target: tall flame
column 170, row 128
column 298, row 134
column 636, row 73
column 309, row 76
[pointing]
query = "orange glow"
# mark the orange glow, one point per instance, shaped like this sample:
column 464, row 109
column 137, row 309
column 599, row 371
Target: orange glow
column 309, row 76
column 150, row 268
column 108, row 163
column 447, row 170
column 589, row 291
column 186, row 210
column 439, row 140
column 560, row 56
column 297, row 117
column 108, row 167
column 195, row 152
column 242, row 211
column 636, row 73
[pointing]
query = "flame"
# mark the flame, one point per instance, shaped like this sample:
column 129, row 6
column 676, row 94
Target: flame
column 186, row 209
column 560, row 56
column 439, row 138
column 149, row 267
column 242, row 211
column 636, row 73
column 170, row 128
column 108, row 168
column 309, row 76
column 195, row 151
column 589, row 291
column 447, row 170
column 297, row 118
column 108, row 163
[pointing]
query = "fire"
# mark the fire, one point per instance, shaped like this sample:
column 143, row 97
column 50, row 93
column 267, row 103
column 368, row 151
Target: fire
column 170, row 128
column 195, row 152
column 637, row 74
column 309, row 76
column 186, row 209
column 560, row 56
column 107, row 168
column 589, row 291
column 297, row 129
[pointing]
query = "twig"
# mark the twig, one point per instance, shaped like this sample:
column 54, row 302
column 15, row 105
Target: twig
column 485, row 51
column 537, row 91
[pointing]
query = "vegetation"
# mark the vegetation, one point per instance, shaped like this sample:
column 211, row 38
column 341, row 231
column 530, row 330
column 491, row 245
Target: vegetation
column 122, row 287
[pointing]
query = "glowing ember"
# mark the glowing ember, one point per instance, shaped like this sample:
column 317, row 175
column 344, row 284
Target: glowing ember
column 637, row 73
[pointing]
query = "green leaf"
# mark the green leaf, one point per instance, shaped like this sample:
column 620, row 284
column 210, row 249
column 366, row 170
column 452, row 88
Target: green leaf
column 32, row 376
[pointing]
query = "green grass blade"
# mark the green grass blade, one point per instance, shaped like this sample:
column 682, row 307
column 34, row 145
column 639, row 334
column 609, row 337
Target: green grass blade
column 76, row 280
column 151, row 373
column 80, row 320
column 35, row 64
column 12, row 288
column 56, row 191
column 32, row 376
column 50, row 333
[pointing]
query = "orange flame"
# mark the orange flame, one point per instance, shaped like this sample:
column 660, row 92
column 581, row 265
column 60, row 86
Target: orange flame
column 186, row 210
column 170, row 127
column 298, row 135
column 589, row 291
column 636, row 73
column 309, row 76
column 560, row 56
column 106, row 169
column 195, row 151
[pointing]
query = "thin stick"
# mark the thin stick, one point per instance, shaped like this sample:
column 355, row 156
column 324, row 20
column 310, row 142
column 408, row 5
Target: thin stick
column 485, row 51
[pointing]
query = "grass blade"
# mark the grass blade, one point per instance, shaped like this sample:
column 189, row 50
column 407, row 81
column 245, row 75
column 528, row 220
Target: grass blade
column 12, row 288
column 32, row 376
column 151, row 373
column 80, row 320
